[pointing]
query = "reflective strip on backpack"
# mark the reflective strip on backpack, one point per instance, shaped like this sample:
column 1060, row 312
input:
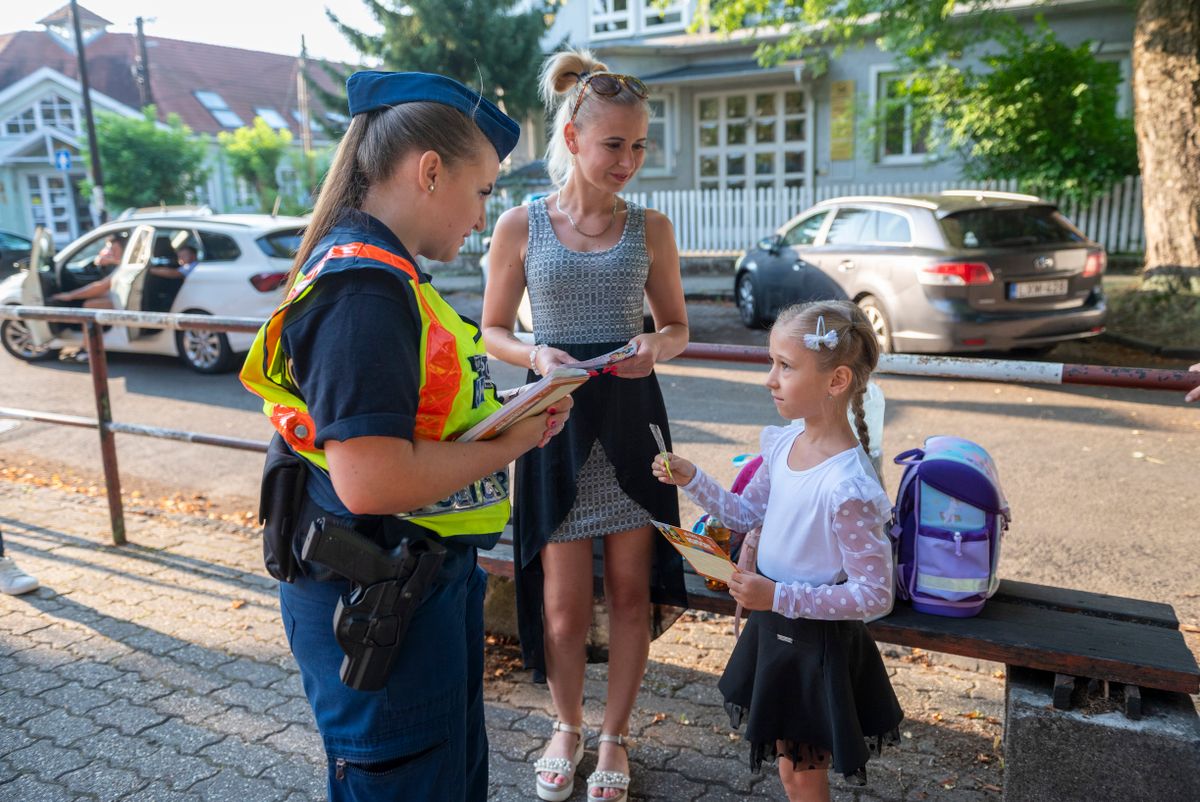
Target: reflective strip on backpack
column 969, row 585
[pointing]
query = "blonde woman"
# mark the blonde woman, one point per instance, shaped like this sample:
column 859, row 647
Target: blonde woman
column 588, row 258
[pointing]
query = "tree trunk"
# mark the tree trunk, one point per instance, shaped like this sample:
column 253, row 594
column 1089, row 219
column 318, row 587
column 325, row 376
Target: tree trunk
column 1166, row 98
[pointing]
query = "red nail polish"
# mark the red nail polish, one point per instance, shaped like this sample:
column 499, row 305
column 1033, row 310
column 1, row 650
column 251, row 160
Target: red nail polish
column 552, row 410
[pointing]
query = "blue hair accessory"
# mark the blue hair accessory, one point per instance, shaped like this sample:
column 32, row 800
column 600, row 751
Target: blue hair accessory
column 368, row 90
column 829, row 339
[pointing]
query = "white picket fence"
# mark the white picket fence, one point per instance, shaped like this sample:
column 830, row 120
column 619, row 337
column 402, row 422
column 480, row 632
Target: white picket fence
column 725, row 222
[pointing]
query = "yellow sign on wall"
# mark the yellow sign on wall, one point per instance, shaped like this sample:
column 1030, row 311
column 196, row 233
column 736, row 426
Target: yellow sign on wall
column 841, row 127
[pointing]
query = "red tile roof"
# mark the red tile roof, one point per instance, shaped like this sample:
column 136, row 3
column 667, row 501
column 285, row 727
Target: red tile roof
column 244, row 78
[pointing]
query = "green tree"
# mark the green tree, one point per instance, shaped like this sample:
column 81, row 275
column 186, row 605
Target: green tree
column 1042, row 113
column 254, row 154
column 145, row 163
column 920, row 34
column 485, row 44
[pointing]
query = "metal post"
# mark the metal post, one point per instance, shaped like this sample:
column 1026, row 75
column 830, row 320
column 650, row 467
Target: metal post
column 93, row 148
column 145, row 93
column 108, row 446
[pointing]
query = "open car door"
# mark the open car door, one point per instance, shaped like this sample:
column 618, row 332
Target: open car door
column 129, row 279
column 41, row 264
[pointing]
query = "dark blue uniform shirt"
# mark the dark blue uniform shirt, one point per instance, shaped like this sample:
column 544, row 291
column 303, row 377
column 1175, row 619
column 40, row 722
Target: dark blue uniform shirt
column 355, row 346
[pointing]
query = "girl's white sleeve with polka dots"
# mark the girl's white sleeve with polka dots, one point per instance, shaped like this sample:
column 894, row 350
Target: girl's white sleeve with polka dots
column 867, row 593
column 740, row 513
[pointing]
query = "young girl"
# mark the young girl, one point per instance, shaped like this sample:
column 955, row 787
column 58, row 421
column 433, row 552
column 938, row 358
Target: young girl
column 806, row 674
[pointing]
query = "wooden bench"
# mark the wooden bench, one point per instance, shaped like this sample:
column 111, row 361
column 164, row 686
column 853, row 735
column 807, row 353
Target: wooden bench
column 1073, row 634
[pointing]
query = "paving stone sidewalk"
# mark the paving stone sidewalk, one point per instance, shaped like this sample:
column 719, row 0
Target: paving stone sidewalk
column 158, row 671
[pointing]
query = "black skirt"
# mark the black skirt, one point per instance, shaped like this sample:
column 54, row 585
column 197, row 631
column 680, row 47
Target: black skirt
column 616, row 412
column 809, row 682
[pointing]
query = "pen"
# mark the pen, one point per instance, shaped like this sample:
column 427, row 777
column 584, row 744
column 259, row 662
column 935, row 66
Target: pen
column 662, row 448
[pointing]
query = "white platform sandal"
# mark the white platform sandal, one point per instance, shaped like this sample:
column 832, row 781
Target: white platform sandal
column 599, row 780
column 559, row 765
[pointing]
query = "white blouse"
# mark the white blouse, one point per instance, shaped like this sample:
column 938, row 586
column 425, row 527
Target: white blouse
column 824, row 538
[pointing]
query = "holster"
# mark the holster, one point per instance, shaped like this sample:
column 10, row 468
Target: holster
column 281, row 498
column 387, row 587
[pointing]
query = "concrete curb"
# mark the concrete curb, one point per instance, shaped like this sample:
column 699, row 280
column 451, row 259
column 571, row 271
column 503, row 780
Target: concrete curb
column 1167, row 351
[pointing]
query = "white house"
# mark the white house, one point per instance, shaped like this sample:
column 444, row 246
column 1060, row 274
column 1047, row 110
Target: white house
column 211, row 88
column 723, row 122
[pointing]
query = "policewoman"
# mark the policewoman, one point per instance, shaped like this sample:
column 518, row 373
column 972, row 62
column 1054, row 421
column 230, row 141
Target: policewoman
column 367, row 374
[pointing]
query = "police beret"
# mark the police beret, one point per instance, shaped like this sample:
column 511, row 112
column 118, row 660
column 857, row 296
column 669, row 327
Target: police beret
column 368, row 90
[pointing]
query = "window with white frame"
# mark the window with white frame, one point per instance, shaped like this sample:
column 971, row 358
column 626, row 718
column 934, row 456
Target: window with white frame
column 51, row 111
column 58, row 112
column 658, row 138
column 903, row 133
column 752, row 140
column 1125, row 87
column 611, row 18
column 219, row 109
column 21, row 123
column 657, row 17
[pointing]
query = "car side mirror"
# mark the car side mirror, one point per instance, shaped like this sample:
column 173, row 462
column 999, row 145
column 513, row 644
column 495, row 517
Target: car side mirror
column 770, row 244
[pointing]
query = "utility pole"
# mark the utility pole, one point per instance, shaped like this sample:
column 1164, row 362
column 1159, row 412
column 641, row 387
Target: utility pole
column 98, row 212
column 145, row 94
column 305, row 119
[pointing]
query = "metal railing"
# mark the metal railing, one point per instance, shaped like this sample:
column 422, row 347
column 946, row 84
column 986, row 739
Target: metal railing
column 1001, row 370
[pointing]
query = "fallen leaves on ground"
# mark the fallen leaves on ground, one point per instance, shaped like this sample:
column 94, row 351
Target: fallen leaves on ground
column 188, row 504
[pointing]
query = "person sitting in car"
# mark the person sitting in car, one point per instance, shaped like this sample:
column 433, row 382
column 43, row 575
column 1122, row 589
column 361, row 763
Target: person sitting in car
column 98, row 294
column 186, row 258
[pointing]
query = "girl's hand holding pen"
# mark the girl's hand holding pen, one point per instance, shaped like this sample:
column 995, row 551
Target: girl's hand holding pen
column 672, row 469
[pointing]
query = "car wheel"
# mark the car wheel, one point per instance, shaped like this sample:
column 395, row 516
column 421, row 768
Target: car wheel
column 748, row 303
column 18, row 341
column 204, row 351
column 878, row 319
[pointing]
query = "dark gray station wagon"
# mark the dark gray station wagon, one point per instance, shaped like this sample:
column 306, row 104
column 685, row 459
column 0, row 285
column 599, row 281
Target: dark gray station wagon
column 956, row 271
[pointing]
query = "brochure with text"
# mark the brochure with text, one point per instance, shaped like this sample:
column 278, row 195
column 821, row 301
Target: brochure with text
column 609, row 359
column 525, row 401
column 701, row 551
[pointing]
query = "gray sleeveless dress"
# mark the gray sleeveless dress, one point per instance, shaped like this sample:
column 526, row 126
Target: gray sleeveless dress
column 588, row 297
column 594, row 478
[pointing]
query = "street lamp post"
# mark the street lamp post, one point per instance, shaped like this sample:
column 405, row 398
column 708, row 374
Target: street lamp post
column 98, row 211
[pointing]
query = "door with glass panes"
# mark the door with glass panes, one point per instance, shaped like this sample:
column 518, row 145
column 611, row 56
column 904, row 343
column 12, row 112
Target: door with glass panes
column 52, row 205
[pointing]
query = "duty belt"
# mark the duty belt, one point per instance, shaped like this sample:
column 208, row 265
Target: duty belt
column 485, row 492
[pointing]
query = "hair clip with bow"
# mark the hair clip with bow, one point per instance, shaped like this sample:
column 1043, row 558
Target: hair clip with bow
column 829, row 339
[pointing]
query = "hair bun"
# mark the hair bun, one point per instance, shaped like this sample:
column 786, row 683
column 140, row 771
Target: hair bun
column 563, row 71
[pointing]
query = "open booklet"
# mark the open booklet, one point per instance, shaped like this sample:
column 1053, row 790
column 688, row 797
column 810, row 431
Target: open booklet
column 701, row 551
column 525, row 401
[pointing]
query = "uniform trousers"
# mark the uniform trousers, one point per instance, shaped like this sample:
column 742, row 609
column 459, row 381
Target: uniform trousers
column 420, row 737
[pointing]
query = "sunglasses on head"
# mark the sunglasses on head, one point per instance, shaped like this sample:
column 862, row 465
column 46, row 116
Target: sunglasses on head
column 608, row 84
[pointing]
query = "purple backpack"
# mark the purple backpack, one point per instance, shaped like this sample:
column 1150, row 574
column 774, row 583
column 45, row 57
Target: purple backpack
column 946, row 527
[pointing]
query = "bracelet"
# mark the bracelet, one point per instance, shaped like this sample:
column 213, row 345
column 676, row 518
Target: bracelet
column 533, row 357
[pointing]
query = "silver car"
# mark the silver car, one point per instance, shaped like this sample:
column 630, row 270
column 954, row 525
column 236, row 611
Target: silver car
column 956, row 271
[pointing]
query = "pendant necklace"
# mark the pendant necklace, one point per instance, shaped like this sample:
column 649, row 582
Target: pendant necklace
column 612, row 218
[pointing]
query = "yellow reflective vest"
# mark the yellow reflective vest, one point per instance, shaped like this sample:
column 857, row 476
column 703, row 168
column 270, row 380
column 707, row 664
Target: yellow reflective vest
column 451, row 398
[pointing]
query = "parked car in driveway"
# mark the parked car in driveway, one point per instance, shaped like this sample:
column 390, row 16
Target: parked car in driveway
column 242, row 263
column 14, row 252
column 954, row 271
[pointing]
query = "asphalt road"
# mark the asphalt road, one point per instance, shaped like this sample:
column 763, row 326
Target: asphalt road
column 1101, row 481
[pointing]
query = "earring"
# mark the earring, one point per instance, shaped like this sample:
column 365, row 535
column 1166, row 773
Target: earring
column 431, row 187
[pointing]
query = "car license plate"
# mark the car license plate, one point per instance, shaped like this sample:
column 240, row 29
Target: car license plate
column 1037, row 289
